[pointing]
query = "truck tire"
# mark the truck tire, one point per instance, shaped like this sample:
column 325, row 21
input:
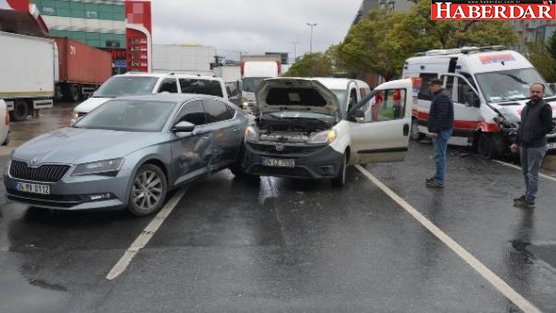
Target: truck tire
column 74, row 93
column 340, row 180
column 21, row 110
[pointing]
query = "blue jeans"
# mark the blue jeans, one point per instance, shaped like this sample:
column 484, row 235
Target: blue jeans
column 440, row 149
column 531, row 160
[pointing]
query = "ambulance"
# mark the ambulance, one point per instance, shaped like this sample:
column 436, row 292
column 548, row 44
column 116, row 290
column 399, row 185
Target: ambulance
column 489, row 88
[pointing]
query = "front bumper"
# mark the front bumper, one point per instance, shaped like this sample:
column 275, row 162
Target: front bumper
column 311, row 162
column 73, row 192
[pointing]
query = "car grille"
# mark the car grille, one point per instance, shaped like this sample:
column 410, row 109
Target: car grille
column 295, row 172
column 287, row 149
column 43, row 173
column 64, row 201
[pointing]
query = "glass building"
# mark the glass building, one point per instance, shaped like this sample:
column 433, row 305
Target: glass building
column 99, row 23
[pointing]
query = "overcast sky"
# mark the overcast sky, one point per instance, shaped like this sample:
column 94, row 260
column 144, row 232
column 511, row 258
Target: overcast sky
column 252, row 26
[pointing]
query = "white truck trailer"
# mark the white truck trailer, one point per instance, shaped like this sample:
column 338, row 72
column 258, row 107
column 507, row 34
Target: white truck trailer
column 29, row 70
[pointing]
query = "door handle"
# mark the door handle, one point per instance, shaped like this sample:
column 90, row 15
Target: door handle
column 405, row 129
column 235, row 130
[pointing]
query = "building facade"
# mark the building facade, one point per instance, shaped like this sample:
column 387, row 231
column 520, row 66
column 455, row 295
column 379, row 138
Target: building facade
column 389, row 5
column 534, row 31
column 122, row 27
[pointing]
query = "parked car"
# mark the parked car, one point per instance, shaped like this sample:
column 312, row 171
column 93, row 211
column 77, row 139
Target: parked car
column 150, row 83
column 4, row 124
column 127, row 153
column 315, row 128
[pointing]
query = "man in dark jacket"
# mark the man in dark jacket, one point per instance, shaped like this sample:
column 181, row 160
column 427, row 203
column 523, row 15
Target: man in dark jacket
column 440, row 123
column 536, row 123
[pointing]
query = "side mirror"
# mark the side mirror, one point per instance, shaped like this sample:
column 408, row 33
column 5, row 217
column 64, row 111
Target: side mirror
column 359, row 113
column 552, row 86
column 183, row 127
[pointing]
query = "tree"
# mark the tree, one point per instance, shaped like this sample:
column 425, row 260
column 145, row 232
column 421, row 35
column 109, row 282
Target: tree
column 381, row 43
column 552, row 45
column 542, row 59
column 311, row 65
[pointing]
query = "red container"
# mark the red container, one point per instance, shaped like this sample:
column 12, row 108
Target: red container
column 82, row 64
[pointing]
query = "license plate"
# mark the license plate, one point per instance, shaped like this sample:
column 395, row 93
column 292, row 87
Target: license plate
column 279, row 162
column 33, row 188
column 551, row 145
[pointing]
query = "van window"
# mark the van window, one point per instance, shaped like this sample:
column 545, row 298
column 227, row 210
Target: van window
column 201, row 86
column 463, row 90
column 425, row 93
column 168, row 85
column 386, row 105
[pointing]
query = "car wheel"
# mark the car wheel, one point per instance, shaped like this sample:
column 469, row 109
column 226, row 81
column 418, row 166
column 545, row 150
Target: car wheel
column 340, row 180
column 148, row 191
column 486, row 146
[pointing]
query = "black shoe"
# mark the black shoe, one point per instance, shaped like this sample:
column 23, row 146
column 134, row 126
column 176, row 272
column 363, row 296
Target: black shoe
column 428, row 180
column 525, row 203
column 434, row 184
column 520, row 199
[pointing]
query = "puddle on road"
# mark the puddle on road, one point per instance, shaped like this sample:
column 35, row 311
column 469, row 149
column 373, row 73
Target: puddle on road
column 57, row 117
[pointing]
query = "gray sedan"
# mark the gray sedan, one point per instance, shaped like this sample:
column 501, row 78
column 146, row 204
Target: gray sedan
column 128, row 153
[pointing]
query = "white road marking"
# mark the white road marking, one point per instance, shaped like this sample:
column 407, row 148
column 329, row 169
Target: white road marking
column 145, row 236
column 487, row 274
column 519, row 168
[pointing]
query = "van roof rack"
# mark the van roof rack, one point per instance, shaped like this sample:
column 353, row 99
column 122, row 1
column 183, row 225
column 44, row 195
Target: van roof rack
column 469, row 50
column 462, row 50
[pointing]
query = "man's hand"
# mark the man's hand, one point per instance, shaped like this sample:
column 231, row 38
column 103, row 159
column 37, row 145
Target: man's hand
column 433, row 135
column 514, row 148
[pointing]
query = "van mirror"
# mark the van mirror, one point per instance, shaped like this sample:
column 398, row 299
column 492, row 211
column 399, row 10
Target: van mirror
column 472, row 99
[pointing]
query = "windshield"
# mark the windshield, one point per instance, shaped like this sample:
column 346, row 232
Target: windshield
column 341, row 95
column 510, row 85
column 126, row 85
column 250, row 84
column 128, row 115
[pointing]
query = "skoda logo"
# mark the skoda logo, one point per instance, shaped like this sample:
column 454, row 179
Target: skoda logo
column 279, row 147
column 34, row 161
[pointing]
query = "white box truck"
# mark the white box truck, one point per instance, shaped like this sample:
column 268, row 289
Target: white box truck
column 29, row 70
column 252, row 74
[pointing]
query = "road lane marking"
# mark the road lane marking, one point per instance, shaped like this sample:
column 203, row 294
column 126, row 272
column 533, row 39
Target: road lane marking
column 145, row 236
column 487, row 274
column 519, row 168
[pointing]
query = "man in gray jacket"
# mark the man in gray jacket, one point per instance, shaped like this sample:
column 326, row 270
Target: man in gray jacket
column 536, row 123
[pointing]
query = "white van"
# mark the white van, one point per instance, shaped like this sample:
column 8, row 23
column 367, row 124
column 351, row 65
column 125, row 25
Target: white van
column 489, row 87
column 314, row 128
column 150, row 83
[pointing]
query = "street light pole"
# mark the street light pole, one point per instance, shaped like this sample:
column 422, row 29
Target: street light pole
column 294, row 43
column 311, row 38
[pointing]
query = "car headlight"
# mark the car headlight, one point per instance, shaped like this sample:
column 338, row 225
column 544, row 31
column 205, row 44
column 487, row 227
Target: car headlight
column 75, row 115
column 245, row 104
column 106, row 167
column 326, row 136
column 251, row 134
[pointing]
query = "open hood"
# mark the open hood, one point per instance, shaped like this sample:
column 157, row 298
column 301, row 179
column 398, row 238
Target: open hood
column 296, row 94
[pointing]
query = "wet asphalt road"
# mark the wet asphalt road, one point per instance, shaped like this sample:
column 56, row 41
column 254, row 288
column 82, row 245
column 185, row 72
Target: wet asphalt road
column 281, row 245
